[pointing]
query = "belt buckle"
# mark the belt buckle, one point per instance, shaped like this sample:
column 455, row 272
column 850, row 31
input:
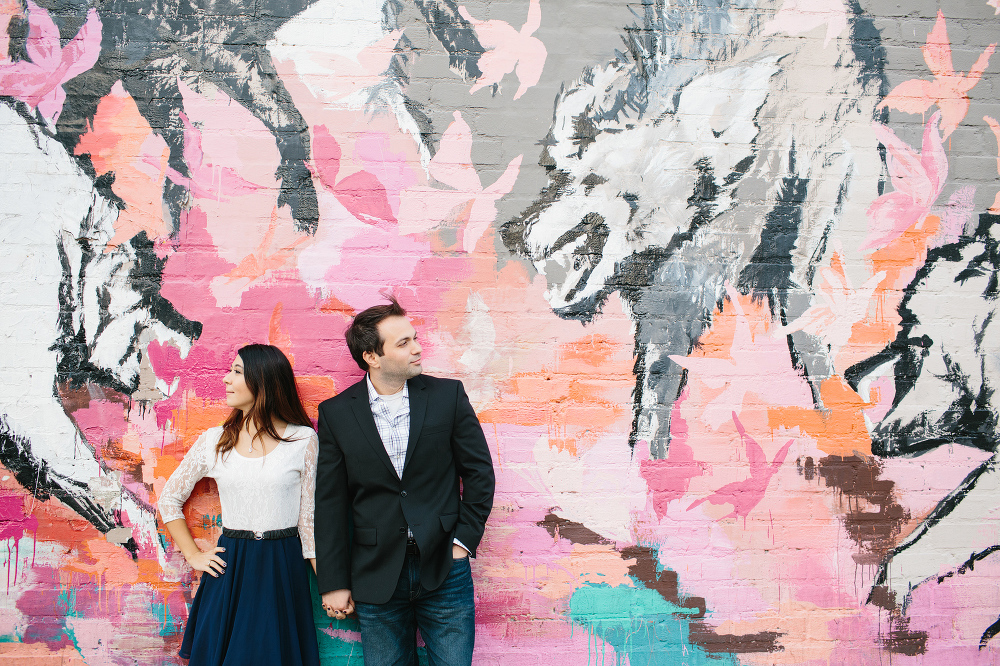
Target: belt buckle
column 258, row 535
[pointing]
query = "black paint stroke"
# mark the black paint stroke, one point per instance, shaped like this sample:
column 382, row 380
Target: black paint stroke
column 990, row 632
column 769, row 272
column 456, row 35
column 37, row 477
column 149, row 46
column 940, row 512
column 970, row 419
column 136, row 267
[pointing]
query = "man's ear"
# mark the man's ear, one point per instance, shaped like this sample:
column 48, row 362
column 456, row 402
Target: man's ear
column 372, row 359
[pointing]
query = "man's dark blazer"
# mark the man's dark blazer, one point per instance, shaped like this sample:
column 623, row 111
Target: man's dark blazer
column 363, row 508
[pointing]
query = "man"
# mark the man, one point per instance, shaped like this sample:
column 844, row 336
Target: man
column 403, row 489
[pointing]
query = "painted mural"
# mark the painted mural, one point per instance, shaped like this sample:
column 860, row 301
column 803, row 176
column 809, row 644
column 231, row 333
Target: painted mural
column 719, row 276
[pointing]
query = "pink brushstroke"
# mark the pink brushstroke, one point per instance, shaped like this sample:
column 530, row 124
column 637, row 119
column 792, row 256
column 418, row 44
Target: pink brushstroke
column 995, row 128
column 228, row 134
column 395, row 170
column 918, row 179
column 101, row 421
column 749, row 359
column 508, row 49
column 745, row 495
column 207, row 180
column 422, row 208
column 38, row 82
column 8, row 10
column 326, row 156
column 361, row 193
column 949, row 89
column 14, row 524
column 669, row 478
column 955, row 216
column 954, row 611
column 345, row 635
column 886, row 388
column 801, row 16
column 187, row 280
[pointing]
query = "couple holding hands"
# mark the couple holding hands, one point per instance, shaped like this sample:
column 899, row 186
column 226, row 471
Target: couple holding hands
column 387, row 503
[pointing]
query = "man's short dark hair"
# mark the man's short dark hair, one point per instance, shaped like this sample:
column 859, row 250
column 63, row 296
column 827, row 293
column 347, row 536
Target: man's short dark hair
column 362, row 335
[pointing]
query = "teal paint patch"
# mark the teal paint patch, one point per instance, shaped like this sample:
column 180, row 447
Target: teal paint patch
column 640, row 624
column 334, row 636
column 71, row 635
column 10, row 638
column 168, row 625
column 66, row 603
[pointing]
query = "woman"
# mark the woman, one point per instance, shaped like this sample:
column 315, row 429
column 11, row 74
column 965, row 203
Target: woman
column 256, row 606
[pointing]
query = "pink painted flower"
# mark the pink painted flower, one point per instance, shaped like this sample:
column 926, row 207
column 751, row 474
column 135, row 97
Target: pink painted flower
column 422, row 208
column 207, row 180
column 668, row 479
column 745, row 495
column 361, row 193
column 750, row 358
column 508, row 49
column 800, row 16
column 917, row 178
column 39, row 82
column 840, row 305
column 949, row 89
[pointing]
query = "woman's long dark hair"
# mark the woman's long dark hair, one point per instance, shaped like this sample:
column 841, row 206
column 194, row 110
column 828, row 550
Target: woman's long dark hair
column 269, row 376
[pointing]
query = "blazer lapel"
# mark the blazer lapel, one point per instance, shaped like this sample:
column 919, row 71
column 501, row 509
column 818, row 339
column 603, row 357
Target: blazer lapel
column 418, row 408
column 363, row 412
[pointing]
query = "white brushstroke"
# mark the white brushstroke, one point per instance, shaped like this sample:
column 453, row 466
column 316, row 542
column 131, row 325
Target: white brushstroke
column 49, row 213
column 481, row 331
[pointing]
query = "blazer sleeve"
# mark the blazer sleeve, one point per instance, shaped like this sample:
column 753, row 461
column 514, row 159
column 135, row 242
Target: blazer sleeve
column 333, row 565
column 475, row 467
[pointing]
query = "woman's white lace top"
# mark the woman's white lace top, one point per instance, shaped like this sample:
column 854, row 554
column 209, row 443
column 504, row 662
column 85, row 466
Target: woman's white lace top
column 268, row 493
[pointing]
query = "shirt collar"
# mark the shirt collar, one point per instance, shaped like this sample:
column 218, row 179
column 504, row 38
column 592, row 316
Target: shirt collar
column 373, row 395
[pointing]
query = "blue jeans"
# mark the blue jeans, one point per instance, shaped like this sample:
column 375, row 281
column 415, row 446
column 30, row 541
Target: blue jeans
column 446, row 618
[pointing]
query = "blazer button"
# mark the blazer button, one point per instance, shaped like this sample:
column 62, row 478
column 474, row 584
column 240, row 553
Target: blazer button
column 402, row 530
column 402, row 494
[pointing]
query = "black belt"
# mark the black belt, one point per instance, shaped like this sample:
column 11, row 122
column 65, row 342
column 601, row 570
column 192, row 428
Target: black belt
column 254, row 534
column 411, row 547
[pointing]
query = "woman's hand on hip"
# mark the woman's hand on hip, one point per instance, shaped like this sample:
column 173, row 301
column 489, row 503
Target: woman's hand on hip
column 208, row 561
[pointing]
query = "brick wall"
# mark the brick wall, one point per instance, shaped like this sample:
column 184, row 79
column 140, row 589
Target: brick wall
column 719, row 278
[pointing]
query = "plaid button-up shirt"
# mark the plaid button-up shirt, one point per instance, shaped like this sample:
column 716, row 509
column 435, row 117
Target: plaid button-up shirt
column 394, row 430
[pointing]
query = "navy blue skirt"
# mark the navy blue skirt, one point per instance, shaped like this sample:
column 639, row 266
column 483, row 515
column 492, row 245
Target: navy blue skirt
column 258, row 612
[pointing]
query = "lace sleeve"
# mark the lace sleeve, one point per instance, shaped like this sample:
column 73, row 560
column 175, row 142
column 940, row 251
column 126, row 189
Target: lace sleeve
column 180, row 484
column 307, row 503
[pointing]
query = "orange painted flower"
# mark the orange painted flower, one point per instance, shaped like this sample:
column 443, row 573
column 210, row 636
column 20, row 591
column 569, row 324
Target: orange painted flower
column 949, row 89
